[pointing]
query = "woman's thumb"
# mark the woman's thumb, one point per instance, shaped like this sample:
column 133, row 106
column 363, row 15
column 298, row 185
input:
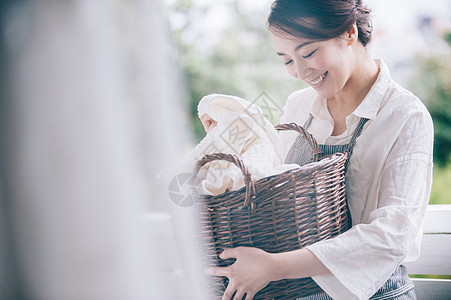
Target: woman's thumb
column 228, row 253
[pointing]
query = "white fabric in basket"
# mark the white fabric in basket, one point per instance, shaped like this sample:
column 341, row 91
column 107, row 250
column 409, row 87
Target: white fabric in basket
column 242, row 130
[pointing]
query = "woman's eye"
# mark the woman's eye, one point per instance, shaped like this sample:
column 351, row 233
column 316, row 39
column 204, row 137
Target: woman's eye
column 309, row 55
column 288, row 62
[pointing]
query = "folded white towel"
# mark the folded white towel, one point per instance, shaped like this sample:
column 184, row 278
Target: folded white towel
column 243, row 130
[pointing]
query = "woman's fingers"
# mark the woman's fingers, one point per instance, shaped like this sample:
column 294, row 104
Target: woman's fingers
column 239, row 295
column 247, row 275
column 230, row 290
column 217, row 271
column 250, row 295
column 230, row 253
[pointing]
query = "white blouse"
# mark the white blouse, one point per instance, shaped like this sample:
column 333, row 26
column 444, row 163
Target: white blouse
column 388, row 184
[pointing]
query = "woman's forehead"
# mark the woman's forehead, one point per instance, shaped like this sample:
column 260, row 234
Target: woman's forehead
column 280, row 35
column 287, row 40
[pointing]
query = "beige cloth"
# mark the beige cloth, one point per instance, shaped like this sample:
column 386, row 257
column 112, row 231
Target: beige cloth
column 242, row 130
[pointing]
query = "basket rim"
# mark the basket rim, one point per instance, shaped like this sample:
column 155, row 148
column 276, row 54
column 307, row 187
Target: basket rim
column 323, row 163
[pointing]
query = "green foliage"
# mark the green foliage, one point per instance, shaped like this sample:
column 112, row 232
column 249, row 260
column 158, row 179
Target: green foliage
column 239, row 60
column 441, row 192
column 433, row 86
column 431, row 276
column 447, row 37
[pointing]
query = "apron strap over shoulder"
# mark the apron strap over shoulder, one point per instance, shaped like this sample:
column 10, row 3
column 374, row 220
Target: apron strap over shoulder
column 355, row 135
column 300, row 153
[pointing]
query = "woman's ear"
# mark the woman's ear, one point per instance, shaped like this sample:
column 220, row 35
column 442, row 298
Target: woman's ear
column 352, row 34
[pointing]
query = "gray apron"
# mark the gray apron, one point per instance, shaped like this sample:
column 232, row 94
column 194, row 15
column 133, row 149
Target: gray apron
column 398, row 286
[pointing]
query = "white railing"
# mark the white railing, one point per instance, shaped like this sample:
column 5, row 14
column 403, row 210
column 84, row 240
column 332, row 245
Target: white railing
column 435, row 257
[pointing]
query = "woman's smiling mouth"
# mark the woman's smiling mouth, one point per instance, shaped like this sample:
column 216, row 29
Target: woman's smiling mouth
column 317, row 81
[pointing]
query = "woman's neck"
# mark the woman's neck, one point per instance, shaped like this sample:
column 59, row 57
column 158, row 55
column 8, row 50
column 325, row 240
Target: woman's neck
column 357, row 87
column 359, row 84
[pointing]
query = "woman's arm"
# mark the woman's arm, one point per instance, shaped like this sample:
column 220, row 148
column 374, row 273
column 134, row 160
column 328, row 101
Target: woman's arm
column 297, row 264
column 267, row 266
column 364, row 257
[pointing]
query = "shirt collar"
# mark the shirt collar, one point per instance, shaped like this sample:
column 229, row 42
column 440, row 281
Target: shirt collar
column 370, row 104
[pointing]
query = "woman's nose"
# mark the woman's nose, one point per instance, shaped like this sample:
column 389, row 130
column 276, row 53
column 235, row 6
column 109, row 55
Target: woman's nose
column 302, row 70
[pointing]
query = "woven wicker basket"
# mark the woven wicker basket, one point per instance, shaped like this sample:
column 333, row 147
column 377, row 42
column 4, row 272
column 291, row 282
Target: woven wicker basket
column 278, row 213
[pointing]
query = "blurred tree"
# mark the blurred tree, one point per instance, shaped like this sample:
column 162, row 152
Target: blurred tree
column 433, row 86
column 225, row 47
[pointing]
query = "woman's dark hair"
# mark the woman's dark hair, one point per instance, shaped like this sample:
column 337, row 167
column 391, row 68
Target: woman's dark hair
column 320, row 19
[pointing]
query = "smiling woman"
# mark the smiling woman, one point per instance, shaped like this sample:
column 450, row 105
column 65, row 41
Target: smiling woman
column 338, row 68
column 353, row 106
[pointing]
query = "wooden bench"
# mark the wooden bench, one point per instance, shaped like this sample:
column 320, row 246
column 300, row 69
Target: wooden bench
column 435, row 257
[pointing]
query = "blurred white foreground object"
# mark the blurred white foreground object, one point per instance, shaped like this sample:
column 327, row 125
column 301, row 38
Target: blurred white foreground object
column 86, row 89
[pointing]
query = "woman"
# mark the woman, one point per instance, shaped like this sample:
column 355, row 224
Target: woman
column 389, row 175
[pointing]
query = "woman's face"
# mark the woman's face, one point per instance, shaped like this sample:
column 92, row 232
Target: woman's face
column 324, row 65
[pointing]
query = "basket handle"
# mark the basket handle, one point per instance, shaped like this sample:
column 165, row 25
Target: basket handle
column 310, row 139
column 248, row 180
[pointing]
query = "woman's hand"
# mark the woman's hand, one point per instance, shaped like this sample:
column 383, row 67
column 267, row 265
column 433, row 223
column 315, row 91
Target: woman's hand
column 208, row 122
column 255, row 268
column 250, row 273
